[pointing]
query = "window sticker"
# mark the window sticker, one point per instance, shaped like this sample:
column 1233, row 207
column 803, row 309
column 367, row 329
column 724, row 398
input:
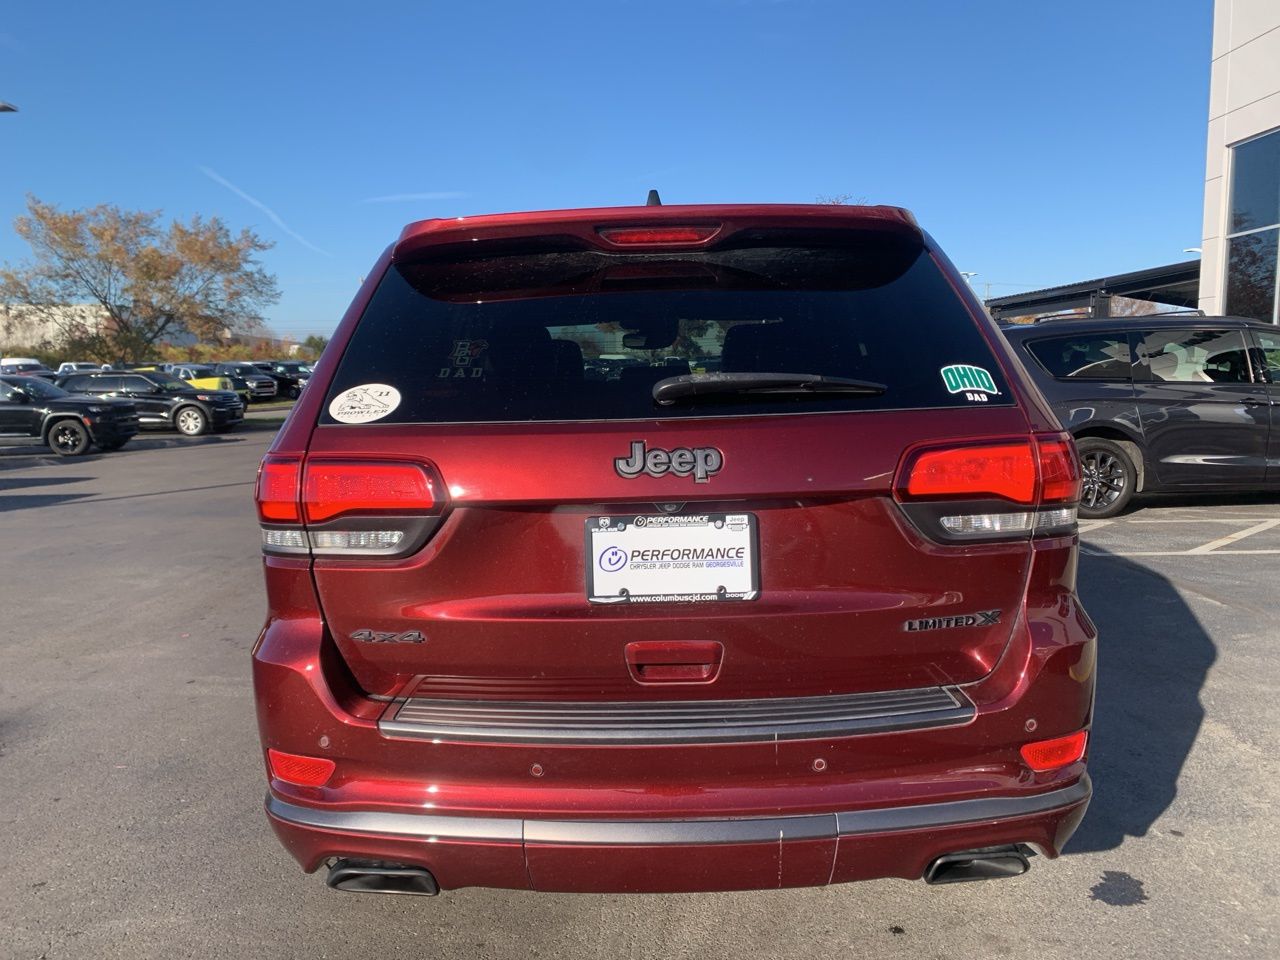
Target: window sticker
column 465, row 360
column 974, row 382
column 365, row 403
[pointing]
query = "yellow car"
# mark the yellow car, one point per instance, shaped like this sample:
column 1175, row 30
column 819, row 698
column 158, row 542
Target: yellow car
column 205, row 377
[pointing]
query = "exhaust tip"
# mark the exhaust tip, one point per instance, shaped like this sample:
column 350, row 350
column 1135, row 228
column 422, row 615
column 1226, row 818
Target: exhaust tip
column 987, row 863
column 369, row 876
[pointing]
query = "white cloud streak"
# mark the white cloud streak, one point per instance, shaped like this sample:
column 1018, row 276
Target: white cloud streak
column 271, row 214
column 407, row 197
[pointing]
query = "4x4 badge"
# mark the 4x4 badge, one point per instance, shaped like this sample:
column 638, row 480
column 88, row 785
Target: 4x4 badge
column 383, row 636
column 702, row 462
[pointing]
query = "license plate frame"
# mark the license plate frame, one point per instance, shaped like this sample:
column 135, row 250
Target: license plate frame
column 715, row 556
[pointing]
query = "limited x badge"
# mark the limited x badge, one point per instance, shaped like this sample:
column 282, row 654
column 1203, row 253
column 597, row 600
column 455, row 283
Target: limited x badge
column 982, row 618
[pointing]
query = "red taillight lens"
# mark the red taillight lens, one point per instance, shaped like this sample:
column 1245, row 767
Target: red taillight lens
column 279, row 482
column 1045, row 755
column 303, row 771
column 1004, row 470
column 1059, row 469
column 333, row 488
column 640, row 236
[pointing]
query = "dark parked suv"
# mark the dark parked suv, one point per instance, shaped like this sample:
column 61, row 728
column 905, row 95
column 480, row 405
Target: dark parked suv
column 33, row 408
column 261, row 386
column 162, row 399
column 290, row 375
column 1159, row 404
column 780, row 604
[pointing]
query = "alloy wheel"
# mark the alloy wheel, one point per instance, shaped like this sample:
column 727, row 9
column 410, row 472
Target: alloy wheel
column 1104, row 479
column 66, row 438
column 189, row 421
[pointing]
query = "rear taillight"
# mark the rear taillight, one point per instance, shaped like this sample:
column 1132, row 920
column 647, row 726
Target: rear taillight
column 1009, row 489
column 277, row 493
column 1004, row 470
column 337, row 507
column 1045, row 755
column 333, row 488
column 1059, row 469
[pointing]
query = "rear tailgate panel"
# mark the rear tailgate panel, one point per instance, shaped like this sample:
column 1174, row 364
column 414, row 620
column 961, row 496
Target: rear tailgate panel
column 500, row 590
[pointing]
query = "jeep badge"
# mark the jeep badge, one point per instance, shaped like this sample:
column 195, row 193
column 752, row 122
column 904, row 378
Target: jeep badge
column 702, row 462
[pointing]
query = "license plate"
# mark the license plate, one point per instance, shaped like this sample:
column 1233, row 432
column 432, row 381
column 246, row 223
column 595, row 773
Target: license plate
column 672, row 558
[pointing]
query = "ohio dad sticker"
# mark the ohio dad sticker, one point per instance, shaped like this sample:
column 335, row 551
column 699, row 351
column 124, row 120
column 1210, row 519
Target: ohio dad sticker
column 365, row 403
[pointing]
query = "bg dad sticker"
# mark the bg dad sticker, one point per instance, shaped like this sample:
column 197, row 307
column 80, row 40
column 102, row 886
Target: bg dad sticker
column 365, row 403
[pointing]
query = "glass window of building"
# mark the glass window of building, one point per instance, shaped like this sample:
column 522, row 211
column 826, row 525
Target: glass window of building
column 1253, row 229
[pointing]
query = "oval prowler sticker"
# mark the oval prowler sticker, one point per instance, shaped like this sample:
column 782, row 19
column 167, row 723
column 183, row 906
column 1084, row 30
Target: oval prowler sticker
column 365, row 403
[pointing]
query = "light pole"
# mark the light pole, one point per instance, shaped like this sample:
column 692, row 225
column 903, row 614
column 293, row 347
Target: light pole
column 6, row 107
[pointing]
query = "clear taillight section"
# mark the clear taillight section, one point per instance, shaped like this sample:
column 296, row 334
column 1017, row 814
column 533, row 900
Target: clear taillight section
column 1007, row 489
column 334, row 507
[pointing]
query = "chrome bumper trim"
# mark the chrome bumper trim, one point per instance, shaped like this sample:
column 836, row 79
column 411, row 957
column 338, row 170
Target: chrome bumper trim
column 675, row 721
column 431, row 827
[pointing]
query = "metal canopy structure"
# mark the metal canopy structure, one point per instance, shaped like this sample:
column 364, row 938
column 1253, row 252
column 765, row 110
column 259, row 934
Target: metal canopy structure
column 1177, row 285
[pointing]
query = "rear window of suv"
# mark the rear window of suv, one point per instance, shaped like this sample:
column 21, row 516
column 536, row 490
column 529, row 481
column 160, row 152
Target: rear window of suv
column 574, row 334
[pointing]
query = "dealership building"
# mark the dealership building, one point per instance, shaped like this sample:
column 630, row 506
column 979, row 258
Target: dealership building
column 1241, row 243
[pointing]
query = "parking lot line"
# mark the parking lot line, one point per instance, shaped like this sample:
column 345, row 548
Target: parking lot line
column 1233, row 537
column 1093, row 552
column 1191, row 520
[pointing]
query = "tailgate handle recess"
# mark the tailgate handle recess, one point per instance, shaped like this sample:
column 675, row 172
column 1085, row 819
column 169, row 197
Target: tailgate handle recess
column 674, row 661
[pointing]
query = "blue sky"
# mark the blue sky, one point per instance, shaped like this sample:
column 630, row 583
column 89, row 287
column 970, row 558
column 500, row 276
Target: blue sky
column 1040, row 143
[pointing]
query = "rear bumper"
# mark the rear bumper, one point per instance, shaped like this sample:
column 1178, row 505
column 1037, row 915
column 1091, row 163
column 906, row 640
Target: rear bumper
column 681, row 855
column 496, row 807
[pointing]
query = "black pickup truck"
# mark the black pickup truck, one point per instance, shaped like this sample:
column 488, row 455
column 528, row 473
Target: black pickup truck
column 33, row 408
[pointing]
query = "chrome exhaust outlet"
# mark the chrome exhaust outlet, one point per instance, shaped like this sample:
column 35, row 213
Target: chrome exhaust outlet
column 369, row 876
column 987, row 863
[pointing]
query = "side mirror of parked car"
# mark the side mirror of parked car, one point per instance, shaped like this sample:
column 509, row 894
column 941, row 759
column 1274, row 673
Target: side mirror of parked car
column 18, row 395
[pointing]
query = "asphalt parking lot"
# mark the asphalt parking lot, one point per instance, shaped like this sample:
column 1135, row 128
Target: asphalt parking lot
column 131, row 784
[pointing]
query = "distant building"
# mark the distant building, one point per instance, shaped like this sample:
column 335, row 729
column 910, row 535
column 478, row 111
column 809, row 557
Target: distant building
column 280, row 346
column 32, row 327
column 1241, row 237
column 52, row 327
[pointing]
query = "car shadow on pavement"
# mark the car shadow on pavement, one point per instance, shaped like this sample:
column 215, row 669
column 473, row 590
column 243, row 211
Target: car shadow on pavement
column 29, row 501
column 1153, row 658
column 18, row 483
column 10, row 501
column 17, row 457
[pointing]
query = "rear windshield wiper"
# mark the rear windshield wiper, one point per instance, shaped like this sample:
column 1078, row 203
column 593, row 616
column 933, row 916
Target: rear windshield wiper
column 727, row 385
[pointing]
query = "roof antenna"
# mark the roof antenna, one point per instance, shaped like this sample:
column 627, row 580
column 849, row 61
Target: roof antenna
column 654, row 200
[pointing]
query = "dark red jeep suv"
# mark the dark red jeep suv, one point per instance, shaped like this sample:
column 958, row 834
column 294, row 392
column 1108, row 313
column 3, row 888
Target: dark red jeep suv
column 671, row 548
